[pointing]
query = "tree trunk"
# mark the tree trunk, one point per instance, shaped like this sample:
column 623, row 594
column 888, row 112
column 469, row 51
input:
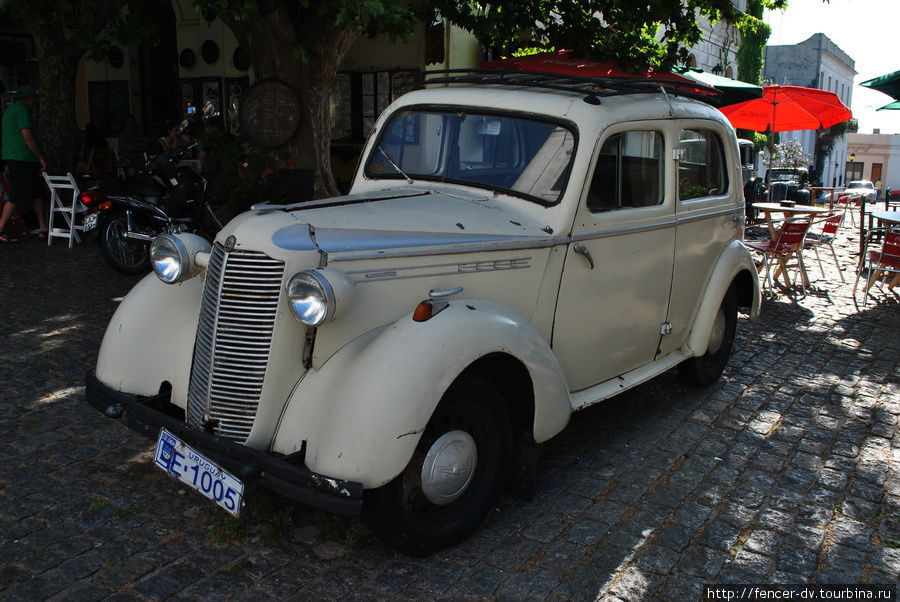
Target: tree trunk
column 273, row 42
column 57, row 65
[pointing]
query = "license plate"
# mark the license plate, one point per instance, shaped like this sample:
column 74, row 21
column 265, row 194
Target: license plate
column 90, row 221
column 196, row 471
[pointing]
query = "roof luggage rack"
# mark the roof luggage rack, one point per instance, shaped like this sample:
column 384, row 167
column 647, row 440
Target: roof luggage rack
column 594, row 88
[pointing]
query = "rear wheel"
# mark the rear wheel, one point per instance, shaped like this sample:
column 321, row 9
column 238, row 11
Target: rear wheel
column 707, row 368
column 124, row 255
column 454, row 476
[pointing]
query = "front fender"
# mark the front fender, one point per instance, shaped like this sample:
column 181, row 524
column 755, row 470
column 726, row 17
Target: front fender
column 150, row 338
column 734, row 263
column 363, row 412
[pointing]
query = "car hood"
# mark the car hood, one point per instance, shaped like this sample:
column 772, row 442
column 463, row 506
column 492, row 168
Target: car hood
column 408, row 218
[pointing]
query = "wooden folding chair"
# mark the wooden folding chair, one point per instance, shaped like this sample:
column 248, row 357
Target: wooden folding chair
column 64, row 201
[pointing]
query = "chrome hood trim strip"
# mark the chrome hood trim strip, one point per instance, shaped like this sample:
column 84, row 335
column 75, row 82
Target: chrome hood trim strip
column 340, row 240
column 468, row 248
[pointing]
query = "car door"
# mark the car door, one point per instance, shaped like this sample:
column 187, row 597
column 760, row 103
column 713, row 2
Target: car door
column 709, row 216
column 617, row 274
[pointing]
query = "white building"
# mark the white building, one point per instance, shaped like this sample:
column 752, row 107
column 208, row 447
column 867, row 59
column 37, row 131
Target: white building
column 875, row 157
column 815, row 63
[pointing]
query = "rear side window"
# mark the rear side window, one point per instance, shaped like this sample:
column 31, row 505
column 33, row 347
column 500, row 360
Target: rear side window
column 701, row 169
column 629, row 172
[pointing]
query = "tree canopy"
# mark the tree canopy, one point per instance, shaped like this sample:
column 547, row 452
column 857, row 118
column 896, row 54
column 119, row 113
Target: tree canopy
column 63, row 33
column 303, row 42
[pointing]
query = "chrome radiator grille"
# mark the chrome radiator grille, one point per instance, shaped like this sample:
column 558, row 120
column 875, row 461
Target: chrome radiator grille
column 237, row 317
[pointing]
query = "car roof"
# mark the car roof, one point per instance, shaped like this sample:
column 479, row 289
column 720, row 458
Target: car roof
column 574, row 106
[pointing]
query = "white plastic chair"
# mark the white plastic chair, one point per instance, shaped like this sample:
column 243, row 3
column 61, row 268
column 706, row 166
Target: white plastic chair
column 64, row 201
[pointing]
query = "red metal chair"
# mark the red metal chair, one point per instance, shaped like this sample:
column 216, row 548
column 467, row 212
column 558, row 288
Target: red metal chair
column 814, row 240
column 787, row 246
column 848, row 203
column 878, row 263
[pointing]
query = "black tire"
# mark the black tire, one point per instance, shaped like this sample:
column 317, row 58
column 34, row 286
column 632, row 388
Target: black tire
column 401, row 513
column 125, row 256
column 706, row 369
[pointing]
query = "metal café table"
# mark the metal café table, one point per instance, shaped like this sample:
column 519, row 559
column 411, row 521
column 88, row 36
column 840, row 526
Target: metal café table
column 888, row 218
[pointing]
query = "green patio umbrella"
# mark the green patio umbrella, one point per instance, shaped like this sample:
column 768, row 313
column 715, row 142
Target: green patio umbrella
column 887, row 84
column 733, row 91
column 891, row 105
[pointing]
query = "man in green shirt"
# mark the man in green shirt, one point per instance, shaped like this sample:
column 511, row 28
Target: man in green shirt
column 24, row 161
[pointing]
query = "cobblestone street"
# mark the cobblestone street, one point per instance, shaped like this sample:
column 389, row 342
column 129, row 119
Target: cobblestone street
column 785, row 471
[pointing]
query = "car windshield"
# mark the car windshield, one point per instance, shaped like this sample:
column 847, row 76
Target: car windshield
column 525, row 156
column 861, row 185
column 784, row 176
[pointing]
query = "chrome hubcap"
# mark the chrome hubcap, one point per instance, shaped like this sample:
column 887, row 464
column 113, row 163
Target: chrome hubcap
column 448, row 467
column 718, row 332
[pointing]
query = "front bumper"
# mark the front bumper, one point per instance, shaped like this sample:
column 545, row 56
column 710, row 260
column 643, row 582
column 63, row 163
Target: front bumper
column 284, row 475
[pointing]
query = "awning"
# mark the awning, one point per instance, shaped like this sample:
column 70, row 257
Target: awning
column 733, row 91
column 887, row 84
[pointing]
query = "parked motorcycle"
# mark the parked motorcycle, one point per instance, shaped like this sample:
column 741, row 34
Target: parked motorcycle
column 169, row 197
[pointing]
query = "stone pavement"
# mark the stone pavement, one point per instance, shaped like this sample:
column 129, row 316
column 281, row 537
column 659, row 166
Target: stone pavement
column 785, row 471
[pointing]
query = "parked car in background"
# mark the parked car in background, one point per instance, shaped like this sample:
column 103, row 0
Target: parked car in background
column 788, row 184
column 747, row 153
column 859, row 189
column 509, row 253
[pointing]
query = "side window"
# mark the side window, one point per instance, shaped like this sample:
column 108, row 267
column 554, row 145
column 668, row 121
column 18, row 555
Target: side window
column 701, row 170
column 629, row 172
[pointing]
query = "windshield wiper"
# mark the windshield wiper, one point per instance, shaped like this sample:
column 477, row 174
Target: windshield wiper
column 394, row 165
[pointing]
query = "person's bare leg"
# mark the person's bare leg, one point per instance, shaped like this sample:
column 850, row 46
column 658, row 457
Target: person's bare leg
column 8, row 210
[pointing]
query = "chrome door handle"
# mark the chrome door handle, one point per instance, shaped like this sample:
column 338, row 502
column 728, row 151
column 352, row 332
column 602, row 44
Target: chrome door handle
column 583, row 250
column 445, row 293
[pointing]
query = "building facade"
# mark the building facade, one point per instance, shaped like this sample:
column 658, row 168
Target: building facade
column 875, row 157
column 817, row 62
column 716, row 52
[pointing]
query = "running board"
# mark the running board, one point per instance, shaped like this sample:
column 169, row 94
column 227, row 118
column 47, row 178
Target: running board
column 614, row 386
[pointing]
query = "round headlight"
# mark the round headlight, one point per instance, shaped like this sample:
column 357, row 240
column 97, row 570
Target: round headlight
column 172, row 256
column 168, row 262
column 308, row 294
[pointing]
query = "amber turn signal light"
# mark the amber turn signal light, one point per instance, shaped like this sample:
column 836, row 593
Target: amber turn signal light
column 428, row 309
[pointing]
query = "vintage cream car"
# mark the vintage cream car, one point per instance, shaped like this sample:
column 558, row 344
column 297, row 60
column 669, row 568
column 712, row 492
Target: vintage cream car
column 508, row 254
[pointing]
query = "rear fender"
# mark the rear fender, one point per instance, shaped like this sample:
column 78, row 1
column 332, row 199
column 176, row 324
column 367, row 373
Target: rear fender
column 363, row 412
column 140, row 207
column 735, row 266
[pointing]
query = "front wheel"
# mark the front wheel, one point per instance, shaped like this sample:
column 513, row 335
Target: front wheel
column 454, row 476
column 707, row 368
column 124, row 255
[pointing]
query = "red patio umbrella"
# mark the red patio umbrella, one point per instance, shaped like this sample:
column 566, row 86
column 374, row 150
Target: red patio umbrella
column 788, row 108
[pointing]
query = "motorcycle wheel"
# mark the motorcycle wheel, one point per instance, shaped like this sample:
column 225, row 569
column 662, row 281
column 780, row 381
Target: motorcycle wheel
column 125, row 256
